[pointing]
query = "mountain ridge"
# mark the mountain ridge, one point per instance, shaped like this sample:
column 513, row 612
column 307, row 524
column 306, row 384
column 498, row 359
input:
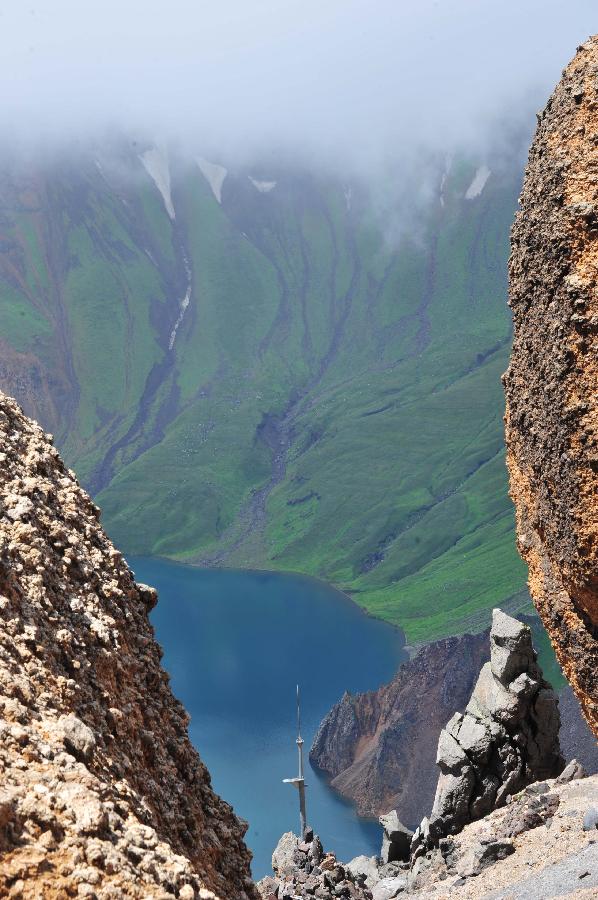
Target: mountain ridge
column 219, row 376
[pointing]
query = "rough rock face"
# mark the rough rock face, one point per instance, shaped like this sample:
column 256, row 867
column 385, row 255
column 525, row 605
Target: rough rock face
column 380, row 747
column 552, row 381
column 101, row 794
column 507, row 738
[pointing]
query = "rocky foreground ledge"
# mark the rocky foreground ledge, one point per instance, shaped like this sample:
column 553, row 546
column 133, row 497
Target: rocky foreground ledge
column 101, row 793
column 542, row 844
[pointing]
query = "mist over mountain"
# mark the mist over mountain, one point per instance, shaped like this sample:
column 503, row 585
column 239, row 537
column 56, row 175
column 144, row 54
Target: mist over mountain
column 348, row 84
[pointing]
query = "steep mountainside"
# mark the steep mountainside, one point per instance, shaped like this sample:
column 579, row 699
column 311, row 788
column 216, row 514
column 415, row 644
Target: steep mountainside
column 102, row 794
column 552, row 382
column 272, row 368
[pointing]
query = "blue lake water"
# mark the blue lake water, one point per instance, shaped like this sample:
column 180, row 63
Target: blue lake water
column 236, row 644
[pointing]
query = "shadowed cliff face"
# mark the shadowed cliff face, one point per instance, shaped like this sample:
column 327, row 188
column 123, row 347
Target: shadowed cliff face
column 102, row 792
column 551, row 384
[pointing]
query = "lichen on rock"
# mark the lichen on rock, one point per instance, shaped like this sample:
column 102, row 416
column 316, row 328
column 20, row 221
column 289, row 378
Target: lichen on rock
column 102, row 794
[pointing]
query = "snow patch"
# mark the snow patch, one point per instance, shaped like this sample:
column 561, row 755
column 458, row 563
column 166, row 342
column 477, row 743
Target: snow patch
column 348, row 192
column 214, row 175
column 156, row 165
column 478, row 184
column 183, row 306
column 264, row 187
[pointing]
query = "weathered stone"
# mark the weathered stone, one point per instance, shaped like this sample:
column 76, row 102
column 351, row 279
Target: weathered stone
column 551, row 385
column 507, row 737
column 283, row 858
column 450, row 756
column 511, row 650
column 366, row 866
column 480, row 856
column 396, row 839
column 590, row 820
column 77, row 737
column 572, row 771
column 474, row 739
column 297, row 876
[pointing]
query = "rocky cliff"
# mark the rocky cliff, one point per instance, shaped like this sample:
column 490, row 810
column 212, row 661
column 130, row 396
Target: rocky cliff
column 379, row 747
column 552, row 380
column 102, row 794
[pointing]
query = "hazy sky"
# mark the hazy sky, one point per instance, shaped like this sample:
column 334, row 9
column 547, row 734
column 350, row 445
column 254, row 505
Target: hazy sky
column 334, row 76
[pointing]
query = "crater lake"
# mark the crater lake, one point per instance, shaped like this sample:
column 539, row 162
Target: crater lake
column 236, row 644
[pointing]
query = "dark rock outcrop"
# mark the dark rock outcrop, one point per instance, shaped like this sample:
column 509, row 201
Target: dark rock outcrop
column 506, row 739
column 379, row 747
column 552, row 382
column 396, row 839
column 101, row 794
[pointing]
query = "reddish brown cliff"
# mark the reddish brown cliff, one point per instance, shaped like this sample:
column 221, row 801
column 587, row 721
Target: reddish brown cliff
column 379, row 748
column 552, row 381
column 101, row 793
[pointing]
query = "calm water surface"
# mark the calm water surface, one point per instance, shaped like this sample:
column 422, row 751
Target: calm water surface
column 236, row 644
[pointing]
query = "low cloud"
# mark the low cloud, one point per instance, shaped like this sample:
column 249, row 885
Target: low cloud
column 344, row 80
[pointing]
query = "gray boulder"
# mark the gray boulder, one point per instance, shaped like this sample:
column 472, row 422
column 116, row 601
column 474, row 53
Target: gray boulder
column 396, row 839
column 366, row 866
column 78, row 739
column 388, row 888
column 572, row 771
column 480, row 856
column 590, row 820
column 283, row 858
column 507, row 738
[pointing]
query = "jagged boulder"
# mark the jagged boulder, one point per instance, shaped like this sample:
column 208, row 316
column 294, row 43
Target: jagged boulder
column 506, row 739
column 396, row 838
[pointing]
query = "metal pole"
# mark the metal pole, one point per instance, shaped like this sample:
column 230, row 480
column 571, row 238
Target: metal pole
column 300, row 781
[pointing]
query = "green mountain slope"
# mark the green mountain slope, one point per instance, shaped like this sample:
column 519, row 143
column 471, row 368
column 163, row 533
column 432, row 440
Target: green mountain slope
column 272, row 377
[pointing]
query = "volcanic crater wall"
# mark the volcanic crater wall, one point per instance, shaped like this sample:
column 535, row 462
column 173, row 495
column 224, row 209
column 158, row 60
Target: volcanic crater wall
column 552, row 381
column 101, row 793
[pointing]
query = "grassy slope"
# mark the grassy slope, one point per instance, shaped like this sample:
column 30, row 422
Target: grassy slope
column 370, row 367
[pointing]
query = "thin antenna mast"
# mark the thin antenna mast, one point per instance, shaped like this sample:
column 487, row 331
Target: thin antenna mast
column 299, row 782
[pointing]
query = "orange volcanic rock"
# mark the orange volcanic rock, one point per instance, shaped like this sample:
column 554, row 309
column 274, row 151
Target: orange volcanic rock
column 552, row 381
